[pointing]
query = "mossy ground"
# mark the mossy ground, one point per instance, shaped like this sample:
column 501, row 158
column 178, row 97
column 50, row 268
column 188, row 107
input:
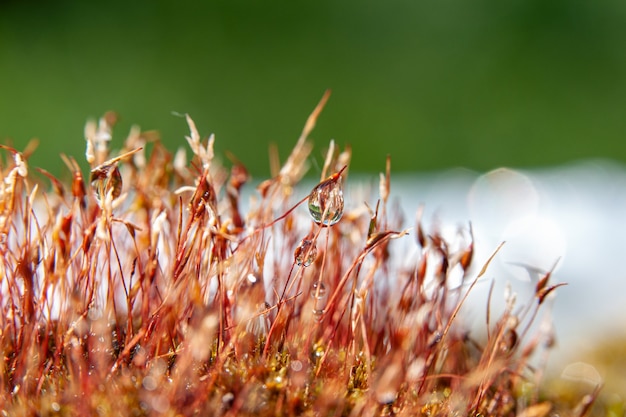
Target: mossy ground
column 146, row 291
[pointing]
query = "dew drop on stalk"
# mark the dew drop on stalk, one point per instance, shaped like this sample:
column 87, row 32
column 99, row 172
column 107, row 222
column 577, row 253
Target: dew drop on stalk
column 107, row 178
column 320, row 297
column 326, row 201
column 104, row 179
column 318, row 314
column 305, row 253
column 318, row 291
column 318, row 352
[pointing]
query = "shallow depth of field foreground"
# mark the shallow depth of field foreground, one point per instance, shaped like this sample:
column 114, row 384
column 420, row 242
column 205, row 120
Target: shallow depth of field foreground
column 144, row 288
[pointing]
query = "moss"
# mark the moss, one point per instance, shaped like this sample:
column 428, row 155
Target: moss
column 159, row 297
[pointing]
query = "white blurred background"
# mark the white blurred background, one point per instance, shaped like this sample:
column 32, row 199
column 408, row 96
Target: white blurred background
column 570, row 216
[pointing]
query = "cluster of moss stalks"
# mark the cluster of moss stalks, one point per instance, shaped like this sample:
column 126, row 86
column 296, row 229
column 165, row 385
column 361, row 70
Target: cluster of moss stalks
column 142, row 289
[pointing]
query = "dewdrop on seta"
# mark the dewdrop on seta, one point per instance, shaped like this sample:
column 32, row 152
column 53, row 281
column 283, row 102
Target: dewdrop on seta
column 326, row 200
column 107, row 178
column 320, row 297
column 306, row 252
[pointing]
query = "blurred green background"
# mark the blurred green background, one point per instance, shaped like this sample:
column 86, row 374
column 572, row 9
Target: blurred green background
column 436, row 84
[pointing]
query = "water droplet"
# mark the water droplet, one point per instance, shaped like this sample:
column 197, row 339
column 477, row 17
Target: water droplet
column 318, row 291
column 276, row 383
column 305, row 253
column 326, row 201
column 318, row 314
column 105, row 178
column 318, row 351
column 252, row 279
column 319, row 296
column 228, row 398
column 509, row 340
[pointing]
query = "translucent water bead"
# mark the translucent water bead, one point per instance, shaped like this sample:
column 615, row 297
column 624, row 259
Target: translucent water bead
column 106, row 178
column 305, row 253
column 326, row 201
column 319, row 294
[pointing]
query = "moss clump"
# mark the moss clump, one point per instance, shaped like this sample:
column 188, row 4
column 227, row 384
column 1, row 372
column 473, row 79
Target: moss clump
column 147, row 291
